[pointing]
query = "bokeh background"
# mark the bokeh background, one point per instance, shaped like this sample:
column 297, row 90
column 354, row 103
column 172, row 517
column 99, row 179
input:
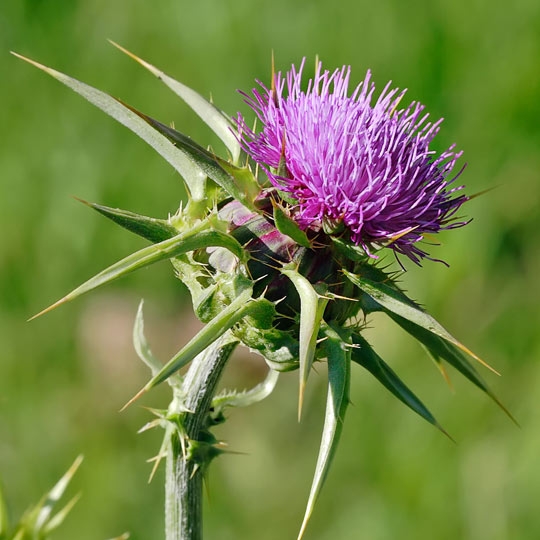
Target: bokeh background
column 64, row 377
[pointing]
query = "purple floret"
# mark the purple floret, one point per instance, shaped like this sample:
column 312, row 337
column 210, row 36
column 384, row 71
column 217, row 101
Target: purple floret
column 349, row 161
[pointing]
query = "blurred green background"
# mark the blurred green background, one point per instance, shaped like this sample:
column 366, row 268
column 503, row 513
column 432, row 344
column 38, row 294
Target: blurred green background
column 64, row 377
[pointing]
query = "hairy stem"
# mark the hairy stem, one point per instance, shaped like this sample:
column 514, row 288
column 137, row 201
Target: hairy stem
column 184, row 477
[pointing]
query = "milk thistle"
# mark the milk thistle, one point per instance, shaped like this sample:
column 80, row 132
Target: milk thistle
column 346, row 160
column 279, row 245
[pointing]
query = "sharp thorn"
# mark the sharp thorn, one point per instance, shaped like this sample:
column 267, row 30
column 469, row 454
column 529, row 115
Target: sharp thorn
column 149, row 425
column 183, row 446
column 301, row 399
column 194, row 472
column 130, row 54
column 154, row 468
column 483, row 192
column 506, row 411
column 235, row 453
column 33, row 62
column 50, row 308
column 442, row 430
column 273, row 81
column 142, row 391
column 478, row 359
column 82, row 201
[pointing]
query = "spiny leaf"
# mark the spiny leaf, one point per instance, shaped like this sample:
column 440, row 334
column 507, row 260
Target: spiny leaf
column 396, row 302
column 47, row 504
column 289, row 227
column 237, row 182
column 312, row 306
column 242, row 306
column 248, row 397
column 339, row 367
column 451, row 354
column 217, row 120
column 365, row 356
column 197, row 238
column 155, row 230
column 191, row 173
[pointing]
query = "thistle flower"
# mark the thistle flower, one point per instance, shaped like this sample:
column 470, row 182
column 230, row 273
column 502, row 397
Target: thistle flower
column 285, row 265
column 346, row 159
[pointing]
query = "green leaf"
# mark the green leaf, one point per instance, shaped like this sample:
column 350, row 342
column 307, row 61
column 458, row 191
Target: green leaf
column 197, row 238
column 4, row 517
column 155, row 230
column 440, row 348
column 192, row 174
column 236, row 181
column 395, row 301
column 248, row 397
column 339, row 367
column 312, row 306
column 54, row 495
column 365, row 356
column 285, row 225
column 215, row 119
column 242, row 306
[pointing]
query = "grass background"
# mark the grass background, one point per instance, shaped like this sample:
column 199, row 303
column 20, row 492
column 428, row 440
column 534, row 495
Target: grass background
column 64, row 377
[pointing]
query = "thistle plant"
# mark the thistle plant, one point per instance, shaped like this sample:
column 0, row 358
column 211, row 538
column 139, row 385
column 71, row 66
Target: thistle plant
column 280, row 245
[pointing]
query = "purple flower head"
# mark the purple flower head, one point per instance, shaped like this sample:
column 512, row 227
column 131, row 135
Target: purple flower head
column 346, row 160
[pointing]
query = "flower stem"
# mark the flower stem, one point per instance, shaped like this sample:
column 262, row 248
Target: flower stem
column 185, row 468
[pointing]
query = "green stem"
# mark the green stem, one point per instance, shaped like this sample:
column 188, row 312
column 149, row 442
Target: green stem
column 184, row 477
